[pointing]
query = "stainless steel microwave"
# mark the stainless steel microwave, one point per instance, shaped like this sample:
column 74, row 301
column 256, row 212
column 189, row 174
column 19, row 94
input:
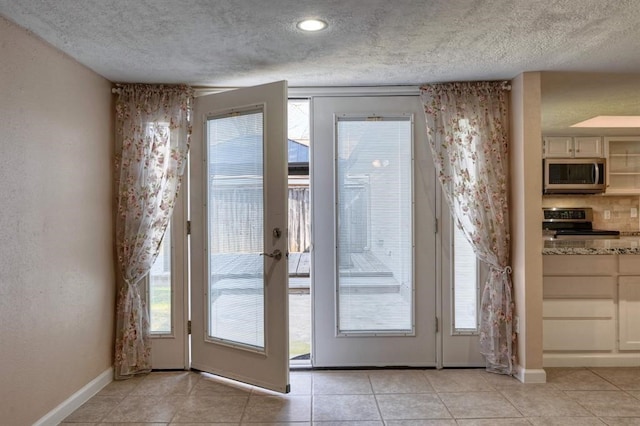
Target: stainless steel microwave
column 574, row 175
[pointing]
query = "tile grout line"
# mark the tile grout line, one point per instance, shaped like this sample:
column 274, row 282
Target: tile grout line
column 439, row 398
column 375, row 398
column 503, row 395
column 199, row 376
column 125, row 397
column 626, row 391
column 246, row 404
column 311, row 401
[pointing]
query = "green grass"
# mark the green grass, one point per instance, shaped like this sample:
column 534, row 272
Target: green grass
column 160, row 308
column 298, row 348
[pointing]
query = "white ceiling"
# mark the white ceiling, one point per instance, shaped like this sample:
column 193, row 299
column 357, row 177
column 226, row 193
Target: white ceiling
column 368, row 42
column 234, row 43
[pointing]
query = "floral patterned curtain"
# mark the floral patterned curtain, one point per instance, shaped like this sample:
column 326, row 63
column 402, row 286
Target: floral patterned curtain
column 152, row 139
column 467, row 128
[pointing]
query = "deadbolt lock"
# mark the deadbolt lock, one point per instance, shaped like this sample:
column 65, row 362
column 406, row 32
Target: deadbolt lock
column 277, row 233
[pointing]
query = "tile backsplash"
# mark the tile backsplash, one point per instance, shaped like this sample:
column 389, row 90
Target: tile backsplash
column 619, row 208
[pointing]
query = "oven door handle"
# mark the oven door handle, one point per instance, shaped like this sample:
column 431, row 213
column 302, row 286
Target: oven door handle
column 596, row 167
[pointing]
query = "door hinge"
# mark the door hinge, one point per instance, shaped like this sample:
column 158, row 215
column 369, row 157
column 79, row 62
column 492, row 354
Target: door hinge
column 189, row 327
column 188, row 227
column 435, row 226
column 437, row 326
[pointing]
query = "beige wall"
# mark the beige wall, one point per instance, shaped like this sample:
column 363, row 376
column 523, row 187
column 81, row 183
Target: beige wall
column 526, row 216
column 56, row 233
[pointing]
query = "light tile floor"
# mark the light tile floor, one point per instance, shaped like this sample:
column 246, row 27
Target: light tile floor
column 572, row 396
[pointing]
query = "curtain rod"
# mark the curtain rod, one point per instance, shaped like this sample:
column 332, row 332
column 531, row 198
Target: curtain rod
column 208, row 89
column 315, row 90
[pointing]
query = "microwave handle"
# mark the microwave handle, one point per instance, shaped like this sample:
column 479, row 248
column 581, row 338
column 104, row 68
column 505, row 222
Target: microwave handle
column 597, row 173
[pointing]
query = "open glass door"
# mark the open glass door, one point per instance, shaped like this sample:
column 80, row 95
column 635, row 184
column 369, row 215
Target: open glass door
column 239, row 293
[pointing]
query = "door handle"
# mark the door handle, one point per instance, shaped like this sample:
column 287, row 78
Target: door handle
column 277, row 254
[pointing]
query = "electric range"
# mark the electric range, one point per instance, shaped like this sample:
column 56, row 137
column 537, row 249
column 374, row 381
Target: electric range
column 573, row 224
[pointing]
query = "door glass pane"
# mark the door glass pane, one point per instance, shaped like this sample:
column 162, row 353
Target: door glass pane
column 235, row 221
column 465, row 279
column 160, row 289
column 374, row 225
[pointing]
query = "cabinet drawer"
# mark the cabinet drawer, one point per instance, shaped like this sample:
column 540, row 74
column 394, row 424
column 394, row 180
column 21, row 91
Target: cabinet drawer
column 585, row 265
column 579, row 287
column 578, row 335
column 579, row 308
column 629, row 264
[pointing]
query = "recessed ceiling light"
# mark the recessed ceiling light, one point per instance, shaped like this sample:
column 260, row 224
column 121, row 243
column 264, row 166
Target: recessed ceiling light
column 610, row 121
column 312, row 25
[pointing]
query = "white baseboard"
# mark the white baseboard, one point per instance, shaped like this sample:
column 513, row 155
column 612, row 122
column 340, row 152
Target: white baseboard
column 74, row 402
column 531, row 375
column 591, row 360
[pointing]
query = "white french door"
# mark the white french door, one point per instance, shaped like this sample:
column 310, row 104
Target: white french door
column 374, row 245
column 239, row 281
column 167, row 290
column 462, row 276
column 390, row 287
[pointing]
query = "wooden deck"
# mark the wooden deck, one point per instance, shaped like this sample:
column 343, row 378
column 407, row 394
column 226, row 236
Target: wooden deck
column 299, row 264
column 234, row 265
column 366, row 264
column 242, row 273
column 370, row 294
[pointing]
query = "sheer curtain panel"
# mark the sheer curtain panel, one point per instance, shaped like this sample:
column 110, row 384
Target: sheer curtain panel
column 467, row 128
column 152, row 140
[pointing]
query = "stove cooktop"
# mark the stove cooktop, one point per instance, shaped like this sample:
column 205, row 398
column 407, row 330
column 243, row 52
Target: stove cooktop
column 573, row 224
column 565, row 234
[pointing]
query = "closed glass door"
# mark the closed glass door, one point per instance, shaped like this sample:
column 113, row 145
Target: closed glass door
column 374, row 269
column 374, row 212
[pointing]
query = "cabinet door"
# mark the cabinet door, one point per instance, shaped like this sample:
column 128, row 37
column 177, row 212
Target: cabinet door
column 629, row 313
column 558, row 146
column 623, row 164
column 587, row 147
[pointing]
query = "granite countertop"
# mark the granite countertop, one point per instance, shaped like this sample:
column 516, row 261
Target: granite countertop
column 624, row 245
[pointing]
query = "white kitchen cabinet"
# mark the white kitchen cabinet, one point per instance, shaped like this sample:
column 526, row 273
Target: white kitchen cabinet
column 591, row 310
column 629, row 303
column 587, row 147
column 558, row 146
column 588, row 266
column 573, row 147
column 623, row 165
column 629, row 313
column 578, row 324
column 578, row 310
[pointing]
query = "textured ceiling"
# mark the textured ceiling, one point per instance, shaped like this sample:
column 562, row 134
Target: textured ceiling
column 369, row 42
column 234, row 43
column 568, row 98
